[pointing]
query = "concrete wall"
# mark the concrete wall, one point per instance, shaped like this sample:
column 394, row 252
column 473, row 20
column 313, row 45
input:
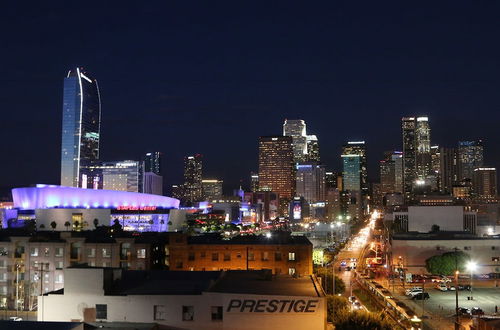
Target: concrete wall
column 415, row 252
column 140, row 308
column 60, row 216
column 448, row 218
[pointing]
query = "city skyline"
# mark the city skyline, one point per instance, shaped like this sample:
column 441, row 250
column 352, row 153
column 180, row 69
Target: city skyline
column 182, row 93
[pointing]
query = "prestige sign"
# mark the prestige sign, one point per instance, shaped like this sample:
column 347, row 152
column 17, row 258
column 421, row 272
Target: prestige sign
column 272, row 306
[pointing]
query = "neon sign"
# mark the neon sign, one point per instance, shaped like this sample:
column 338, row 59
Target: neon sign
column 136, row 208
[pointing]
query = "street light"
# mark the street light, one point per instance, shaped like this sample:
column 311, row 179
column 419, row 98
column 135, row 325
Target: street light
column 472, row 266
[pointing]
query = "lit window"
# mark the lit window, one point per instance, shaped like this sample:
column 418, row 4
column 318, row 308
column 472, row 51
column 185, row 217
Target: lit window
column 34, row 252
column 106, row 253
column 160, row 312
column 141, row 254
column 291, row 256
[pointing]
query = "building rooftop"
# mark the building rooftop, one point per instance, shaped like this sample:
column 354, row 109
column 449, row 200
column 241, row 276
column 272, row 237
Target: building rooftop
column 277, row 238
column 440, row 235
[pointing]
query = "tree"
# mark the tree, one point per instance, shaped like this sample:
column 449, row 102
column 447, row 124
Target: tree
column 447, row 263
column 67, row 224
column 326, row 276
column 336, row 306
column 53, row 225
column 435, row 228
column 96, row 223
column 76, row 225
column 360, row 320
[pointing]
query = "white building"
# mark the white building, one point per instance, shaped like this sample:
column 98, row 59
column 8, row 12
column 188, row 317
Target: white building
column 188, row 300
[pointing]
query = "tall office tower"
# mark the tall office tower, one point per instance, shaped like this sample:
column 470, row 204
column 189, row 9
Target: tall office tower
column 212, row 189
column 296, row 128
column 331, row 180
column 193, row 188
column 81, row 125
column 435, row 174
column 122, row 175
column 310, row 182
column 254, row 182
column 448, row 169
column 417, row 164
column 397, row 158
column 352, row 164
column 277, row 165
column 152, row 183
column 423, row 160
column 312, row 149
column 484, row 182
column 470, row 154
column 387, row 176
column 152, row 162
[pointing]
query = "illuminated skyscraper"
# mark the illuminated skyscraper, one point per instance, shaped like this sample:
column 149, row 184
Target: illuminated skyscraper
column 470, row 154
column 152, row 162
column 417, row 164
column 296, row 128
column 310, row 182
column 193, row 188
column 80, row 126
column 254, row 182
column 312, row 148
column 485, row 182
column 212, row 189
column 355, row 166
column 276, row 165
column 448, row 169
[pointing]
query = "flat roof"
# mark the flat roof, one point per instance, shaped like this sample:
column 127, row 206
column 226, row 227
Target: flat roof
column 279, row 238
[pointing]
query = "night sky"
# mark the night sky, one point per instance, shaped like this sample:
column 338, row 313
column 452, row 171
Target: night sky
column 190, row 77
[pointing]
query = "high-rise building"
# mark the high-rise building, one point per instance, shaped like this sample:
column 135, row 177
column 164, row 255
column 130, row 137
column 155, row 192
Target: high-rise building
column 397, row 158
column 212, row 189
column 355, row 166
column 448, row 169
column 296, row 128
column 276, row 165
column 312, row 149
column 470, row 155
column 122, row 175
column 254, row 182
column 193, row 188
column 436, row 167
column 391, row 173
column 417, row 163
column 310, row 182
column 331, row 180
column 80, row 125
column 152, row 183
column 152, row 162
column 484, row 182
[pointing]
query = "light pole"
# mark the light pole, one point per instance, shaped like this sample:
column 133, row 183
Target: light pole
column 472, row 266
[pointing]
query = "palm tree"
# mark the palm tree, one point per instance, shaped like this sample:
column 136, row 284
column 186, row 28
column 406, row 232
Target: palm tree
column 42, row 226
column 67, row 224
column 76, row 225
column 53, row 224
column 96, row 223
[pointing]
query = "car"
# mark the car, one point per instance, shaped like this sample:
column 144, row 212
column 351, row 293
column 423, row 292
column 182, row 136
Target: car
column 352, row 299
column 463, row 287
column 357, row 305
column 15, row 318
column 413, row 293
column 451, row 288
column 415, row 288
column 343, row 263
column 421, row 296
column 476, row 311
column 442, row 287
column 464, row 311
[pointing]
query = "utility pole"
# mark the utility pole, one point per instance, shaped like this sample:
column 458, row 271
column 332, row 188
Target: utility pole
column 17, row 289
column 457, row 318
column 333, row 275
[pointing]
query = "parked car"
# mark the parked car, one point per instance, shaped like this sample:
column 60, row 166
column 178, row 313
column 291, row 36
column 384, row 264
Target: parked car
column 356, row 305
column 451, row 288
column 421, row 296
column 414, row 289
column 476, row 311
column 442, row 287
column 464, row 311
column 463, row 287
column 352, row 299
column 415, row 292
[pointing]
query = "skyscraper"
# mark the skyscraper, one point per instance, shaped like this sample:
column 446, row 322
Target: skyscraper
column 80, row 126
column 485, row 182
column 212, row 189
column 310, row 182
column 417, row 161
column 152, row 162
column 193, row 188
column 355, row 168
column 276, row 165
column 296, row 128
column 448, row 169
column 254, row 182
column 470, row 154
column 312, row 148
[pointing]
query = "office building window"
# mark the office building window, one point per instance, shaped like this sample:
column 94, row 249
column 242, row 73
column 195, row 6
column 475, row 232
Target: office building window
column 265, row 256
column 216, row 313
column 141, row 254
column 3, row 251
column 59, row 252
column 59, row 264
column 3, row 264
column 227, row 256
column 291, row 256
column 106, row 253
column 202, row 255
column 215, row 257
column 101, row 311
column 277, row 256
column 91, row 253
column 34, row 252
column 160, row 312
column 59, row 278
column 187, row 313
column 3, row 277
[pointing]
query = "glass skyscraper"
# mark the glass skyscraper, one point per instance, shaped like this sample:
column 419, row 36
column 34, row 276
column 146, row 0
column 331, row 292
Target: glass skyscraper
column 80, row 126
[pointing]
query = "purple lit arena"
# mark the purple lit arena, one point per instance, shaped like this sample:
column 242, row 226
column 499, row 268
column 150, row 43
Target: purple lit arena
column 48, row 196
column 81, row 207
